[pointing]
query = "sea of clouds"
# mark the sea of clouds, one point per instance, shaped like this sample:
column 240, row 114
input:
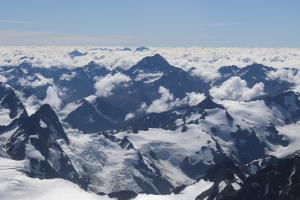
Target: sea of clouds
column 203, row 62
column 112, row 57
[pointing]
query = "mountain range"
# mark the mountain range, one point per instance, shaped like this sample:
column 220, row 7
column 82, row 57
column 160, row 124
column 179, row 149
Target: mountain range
column 154, row 129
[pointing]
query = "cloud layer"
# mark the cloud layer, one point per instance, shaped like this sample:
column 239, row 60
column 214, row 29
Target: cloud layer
column 105, row 85
column 289, row 75
column 204, row 61
column 167, row 101
column 236, row 89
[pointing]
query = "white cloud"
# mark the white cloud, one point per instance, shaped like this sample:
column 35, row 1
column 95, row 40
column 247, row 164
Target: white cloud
column 289, row 75
column 68, row 77
column 129, row 116
column 35, row 81
column 3, row 79
column 297, row 89
column 105, row 85
column 143, row 107
column 165, row 102
column 194, row 98
column 285, row 75
column 206, row 61
column 206, row 73
column 236, row 89
column 53, row 98
column 162, row 104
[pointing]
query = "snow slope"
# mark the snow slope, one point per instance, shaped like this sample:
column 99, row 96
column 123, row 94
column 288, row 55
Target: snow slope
column 15, row 185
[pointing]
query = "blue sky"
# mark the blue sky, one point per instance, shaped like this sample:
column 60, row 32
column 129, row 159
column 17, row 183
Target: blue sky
column 176, row 23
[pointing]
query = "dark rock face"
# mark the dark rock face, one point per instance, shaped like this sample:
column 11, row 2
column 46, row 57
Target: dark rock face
column 88, row 119
column 49, row 117
column 244, row 142
column 287, row 103
column 165, row 120
column 197, row 170
column 178, row 81
column 228, row 71
column 11, row 101
column 208, row 103
column 36, row 140
column 151, row 64
column 252, row 74
column 276, row 181
column 226, row 176
column 275, row 138
column 123, row 195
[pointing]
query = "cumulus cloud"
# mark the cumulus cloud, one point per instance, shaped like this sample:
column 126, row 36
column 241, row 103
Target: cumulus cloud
column 164, row 103
column 129, row 116
column 289, row 75
column 206, row 73
column 53, row 98
column 193, row 98
column 167, row 101
column 68, row 77
column 236, row 89
column 105, row 85
column 35, row 81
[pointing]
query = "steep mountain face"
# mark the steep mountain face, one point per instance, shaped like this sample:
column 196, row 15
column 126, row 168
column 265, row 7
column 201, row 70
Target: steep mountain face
column 287, row 104
column 37, row 139
column 93, row 114
column 150, row 64
column 227, row 177
column 11, row 106
column 87, row 117
column 276, row 181
column 228, row 71
column 253, row 74
column 75, row 83
column 154, row 71
column 129, row 98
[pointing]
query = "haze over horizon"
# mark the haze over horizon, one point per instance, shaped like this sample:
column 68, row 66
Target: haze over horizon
column 173, row 23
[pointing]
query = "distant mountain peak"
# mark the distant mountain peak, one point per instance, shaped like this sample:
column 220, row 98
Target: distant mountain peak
column 76, row 53
column 142, row 49
column 155, row 62
column 256, row 68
